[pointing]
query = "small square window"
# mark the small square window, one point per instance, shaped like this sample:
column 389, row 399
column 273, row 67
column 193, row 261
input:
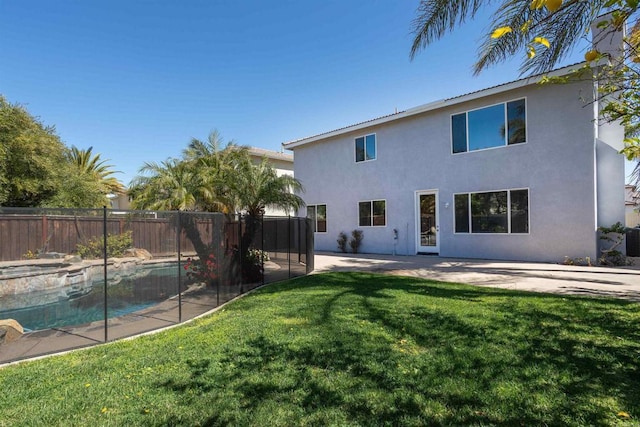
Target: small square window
column 366, row 148
column 372, row 213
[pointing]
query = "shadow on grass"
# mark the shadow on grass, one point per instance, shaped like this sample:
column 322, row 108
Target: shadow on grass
column 394, row 350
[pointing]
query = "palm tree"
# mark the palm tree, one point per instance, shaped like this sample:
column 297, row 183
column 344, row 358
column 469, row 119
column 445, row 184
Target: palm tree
column 171, row 185
column 91, row 165
column 259, row 186
column 216, row 162
column 562, row 28
column 215, row 177
column 168, row 185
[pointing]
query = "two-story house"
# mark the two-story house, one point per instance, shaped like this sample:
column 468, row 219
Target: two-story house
column 520, row 171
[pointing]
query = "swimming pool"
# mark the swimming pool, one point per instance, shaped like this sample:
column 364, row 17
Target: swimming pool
column 152, row 285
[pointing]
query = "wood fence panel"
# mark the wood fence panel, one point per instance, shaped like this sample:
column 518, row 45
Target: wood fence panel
column 63, row 233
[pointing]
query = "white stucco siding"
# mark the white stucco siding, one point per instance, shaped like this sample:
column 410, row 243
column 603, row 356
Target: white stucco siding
column 413, row 154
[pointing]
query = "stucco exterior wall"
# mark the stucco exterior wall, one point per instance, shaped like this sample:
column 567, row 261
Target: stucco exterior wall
column 557, row 165
column 282, row 167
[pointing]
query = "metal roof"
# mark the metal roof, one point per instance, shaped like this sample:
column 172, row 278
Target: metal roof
column 270, row 154
column 431, row 106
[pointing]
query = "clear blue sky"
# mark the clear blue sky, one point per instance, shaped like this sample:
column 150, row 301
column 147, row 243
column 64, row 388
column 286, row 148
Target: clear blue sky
column 138, row 79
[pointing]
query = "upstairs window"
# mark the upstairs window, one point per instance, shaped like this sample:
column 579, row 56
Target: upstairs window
column 495, row 126
column 366, row 148
column 318, row 216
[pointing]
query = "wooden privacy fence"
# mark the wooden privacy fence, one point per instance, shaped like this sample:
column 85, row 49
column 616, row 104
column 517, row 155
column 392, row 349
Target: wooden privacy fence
column 24, row 233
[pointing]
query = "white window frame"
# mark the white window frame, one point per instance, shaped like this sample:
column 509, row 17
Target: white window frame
column 371, row 211
column 508, row 233
column 355, row 150
column 506, row 144
column 315, row 225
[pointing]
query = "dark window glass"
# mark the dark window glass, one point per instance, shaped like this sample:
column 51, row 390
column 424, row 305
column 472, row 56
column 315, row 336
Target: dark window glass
column 519, row 211
column 370, row 149
column 311, row 213
column 364, row 213
column 360, row 149
column 462, row 213
column 379, row 212
column 516, row 122
column 489, row 212
column 459, row 132
column 321, row 212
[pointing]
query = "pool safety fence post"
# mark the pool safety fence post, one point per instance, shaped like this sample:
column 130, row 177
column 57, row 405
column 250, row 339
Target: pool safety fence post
column 221, row 227
column 104, row 241
column 262, row 245
column 178, row 236
column 289, row 243
column 299, row 240
column 240, row 221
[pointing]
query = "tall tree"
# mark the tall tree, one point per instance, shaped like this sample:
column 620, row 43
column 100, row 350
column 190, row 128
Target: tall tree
column 258, row 186
column 216, row 162
column 91, row 166
column 214, row 176
column 30, row 158
column 545, row 31
column 168, row 185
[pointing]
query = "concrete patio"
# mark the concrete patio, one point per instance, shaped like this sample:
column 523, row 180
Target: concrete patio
column 615, row 282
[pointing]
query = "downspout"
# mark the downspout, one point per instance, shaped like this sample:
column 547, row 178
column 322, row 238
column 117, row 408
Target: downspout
column 596, row 122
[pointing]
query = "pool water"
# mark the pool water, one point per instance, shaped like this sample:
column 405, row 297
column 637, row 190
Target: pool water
column 127, row 296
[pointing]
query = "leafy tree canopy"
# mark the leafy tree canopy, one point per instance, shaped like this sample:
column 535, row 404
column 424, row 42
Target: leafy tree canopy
column 214, row 176
column 31, row 156
column 38, row 170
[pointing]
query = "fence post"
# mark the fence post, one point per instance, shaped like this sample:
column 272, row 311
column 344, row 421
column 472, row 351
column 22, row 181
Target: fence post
column 45, row 231
column 299, row 241
column 222, row 232
column 104, row 241
column 240, row 217
column 289, row 243
column 262, row 245
column 178, row 236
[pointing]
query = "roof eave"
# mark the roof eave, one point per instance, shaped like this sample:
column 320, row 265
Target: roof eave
column 432, row 106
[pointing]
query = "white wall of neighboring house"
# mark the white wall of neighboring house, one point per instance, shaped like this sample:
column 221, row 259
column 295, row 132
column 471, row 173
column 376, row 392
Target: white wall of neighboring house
column 632, row 206
column 282, row 163
column 569, row 164
column 119, row 201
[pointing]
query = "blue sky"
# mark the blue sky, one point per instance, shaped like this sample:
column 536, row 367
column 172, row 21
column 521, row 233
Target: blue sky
column 138, row 79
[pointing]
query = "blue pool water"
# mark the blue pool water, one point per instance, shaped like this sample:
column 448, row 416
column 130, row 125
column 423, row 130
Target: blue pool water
column 127, row 296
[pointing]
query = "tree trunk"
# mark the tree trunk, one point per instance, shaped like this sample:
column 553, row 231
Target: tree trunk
column 251, row 271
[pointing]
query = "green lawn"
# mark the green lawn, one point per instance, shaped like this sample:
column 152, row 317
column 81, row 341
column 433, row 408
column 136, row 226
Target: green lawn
column 354, row 349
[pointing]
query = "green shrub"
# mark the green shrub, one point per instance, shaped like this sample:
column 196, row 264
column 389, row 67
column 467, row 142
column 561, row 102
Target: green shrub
column 342, row 242
column 356, row 240
column 615, row 236
column 117, row 244
column 257, row 256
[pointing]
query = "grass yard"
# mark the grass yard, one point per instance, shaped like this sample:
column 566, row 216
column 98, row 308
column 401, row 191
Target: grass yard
column 354, row 349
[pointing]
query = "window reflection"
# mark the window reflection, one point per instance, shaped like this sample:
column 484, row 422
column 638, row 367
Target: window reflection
column 492, row 212
column 485, row 127
column 489, row 212
column 321, row 212
column 366, row 148
column 516, row 122
column 489, row 127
